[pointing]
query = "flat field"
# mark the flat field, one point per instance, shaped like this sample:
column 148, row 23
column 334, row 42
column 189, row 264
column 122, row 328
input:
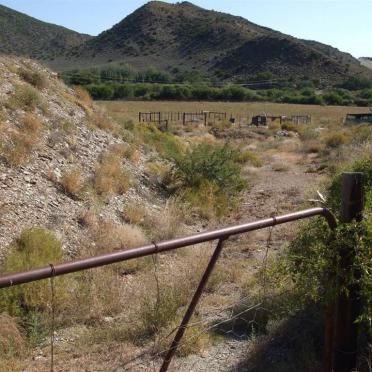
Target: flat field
column 240, row 110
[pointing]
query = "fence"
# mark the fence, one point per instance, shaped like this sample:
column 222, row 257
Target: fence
column 181, row 117
column 342, row 345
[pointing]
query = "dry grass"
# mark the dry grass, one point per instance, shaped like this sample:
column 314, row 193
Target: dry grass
column 25, row 97
column 168, row 223
column 110, row 236
column 110, row 178
column 320, row 114
column 88, row 218
column 100, row 121
column 18, row 148
column 12, row 340
column 33, row 77
column 334, row 140
column 158, row 172
column 98, row 293
column 83, row 95
column 72, row 181
column 134, row 213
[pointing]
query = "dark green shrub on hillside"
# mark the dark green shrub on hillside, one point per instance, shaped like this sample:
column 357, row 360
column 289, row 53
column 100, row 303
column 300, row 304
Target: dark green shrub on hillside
column 357, row 83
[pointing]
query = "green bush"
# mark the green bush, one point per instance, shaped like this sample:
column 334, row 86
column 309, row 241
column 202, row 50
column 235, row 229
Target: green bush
column 36, row 247
column 166, row 144
column 210, row 175
column 314, row 254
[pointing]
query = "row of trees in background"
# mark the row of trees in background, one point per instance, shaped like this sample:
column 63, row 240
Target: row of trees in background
column 189, row 92
column 124, row 82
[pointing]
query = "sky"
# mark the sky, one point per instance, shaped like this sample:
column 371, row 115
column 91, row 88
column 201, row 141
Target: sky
column 344, row 24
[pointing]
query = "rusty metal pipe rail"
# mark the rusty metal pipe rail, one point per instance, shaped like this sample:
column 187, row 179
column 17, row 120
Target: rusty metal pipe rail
column 154, row 248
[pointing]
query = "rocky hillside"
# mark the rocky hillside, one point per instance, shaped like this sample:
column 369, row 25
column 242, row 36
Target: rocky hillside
column 63, row 164
column 27, row 36
column 183, row 36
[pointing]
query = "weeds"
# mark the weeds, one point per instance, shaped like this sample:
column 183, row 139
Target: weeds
column 210, row 176
column 12, row 340
column 25, row 97
column 109, row 176
column 72, row 181
column 36, row 247
column 17, row 149
column 33, row 77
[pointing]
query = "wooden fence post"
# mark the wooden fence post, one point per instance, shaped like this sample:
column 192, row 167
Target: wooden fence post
column 348, row 306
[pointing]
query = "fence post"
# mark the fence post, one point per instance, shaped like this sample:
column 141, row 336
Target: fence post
column 348, row 306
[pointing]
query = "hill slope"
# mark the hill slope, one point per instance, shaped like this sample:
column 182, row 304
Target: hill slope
column 24, row 35
column 185, row 37
column 52, row 139
column 366, row 61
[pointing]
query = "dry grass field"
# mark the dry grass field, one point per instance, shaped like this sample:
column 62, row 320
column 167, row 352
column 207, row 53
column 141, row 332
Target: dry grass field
column 320, row 114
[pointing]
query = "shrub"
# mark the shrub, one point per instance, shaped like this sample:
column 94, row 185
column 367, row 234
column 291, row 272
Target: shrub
column 249, row 157
column 36, row 247
column 334, row 140
column 209, row 177
column 166, row 144
column 312, row 255
column 25, row 97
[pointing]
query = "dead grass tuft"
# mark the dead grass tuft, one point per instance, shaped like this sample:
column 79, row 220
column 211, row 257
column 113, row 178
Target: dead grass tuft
column 72, row 181
column 33, row 77
column 17, row 149
column 110, row 236
column 158, row 172
column 168, row 223
column 134, row 213
column 83, row 96
column 12, row 341
column 110, row 178
column 25, row 97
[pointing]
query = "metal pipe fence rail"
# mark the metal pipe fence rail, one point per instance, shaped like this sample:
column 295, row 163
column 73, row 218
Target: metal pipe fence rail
column 220, row 235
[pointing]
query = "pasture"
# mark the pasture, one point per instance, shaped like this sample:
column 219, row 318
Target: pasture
column 243, row 110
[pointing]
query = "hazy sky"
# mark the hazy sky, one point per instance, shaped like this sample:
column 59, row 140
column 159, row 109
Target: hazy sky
column 345, row 24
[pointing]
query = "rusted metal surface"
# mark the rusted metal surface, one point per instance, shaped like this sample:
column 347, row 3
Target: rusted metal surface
column 124, row 255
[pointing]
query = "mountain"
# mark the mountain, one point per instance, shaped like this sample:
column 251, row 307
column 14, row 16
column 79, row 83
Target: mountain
column 24, row 35
column 184, row 37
